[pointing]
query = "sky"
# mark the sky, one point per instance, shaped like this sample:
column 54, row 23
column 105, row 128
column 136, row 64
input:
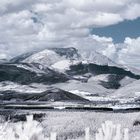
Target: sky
column 127, row 28
column 110, row 27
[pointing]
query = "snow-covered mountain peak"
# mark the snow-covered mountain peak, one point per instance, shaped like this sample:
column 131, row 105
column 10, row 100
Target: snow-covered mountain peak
column 69, row 53
column 62, row 58
column 96, row 58
column 45, row 57
column 55, row 56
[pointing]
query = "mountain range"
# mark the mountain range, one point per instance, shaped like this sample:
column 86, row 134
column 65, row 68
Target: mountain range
column 66, row 75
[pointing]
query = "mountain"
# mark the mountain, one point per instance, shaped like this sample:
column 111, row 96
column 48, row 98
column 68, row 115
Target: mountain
column 68, row 62
column 131, row 90
column 96, row 58
column 3, row 61
column 58, row 57
column 80, row 75
column 50, row 94
column 21, row 57
column 30, row 73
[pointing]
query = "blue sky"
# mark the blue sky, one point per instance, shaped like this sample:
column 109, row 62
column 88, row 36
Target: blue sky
column 127, row 28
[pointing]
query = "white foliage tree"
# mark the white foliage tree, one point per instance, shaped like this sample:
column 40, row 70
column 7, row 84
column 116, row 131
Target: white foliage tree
column 29, row 130
column 32, row 130
column 109, row 131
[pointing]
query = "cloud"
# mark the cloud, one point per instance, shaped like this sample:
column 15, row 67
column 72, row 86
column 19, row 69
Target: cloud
column 129, row 54
column 35, row 24
column 126, row 53
column 132, row 11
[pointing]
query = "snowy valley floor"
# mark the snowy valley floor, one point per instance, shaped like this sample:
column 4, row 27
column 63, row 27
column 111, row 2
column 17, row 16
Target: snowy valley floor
column 71, row 125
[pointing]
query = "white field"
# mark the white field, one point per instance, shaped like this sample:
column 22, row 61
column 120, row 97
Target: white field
column 71, row 125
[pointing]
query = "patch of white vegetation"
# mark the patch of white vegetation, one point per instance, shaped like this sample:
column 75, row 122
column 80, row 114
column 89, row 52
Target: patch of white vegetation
column 33, row 130
column 110, row 131
column 30, row 130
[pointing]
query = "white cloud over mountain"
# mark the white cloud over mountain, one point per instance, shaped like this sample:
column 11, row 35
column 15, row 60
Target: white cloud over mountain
column 35, row 24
